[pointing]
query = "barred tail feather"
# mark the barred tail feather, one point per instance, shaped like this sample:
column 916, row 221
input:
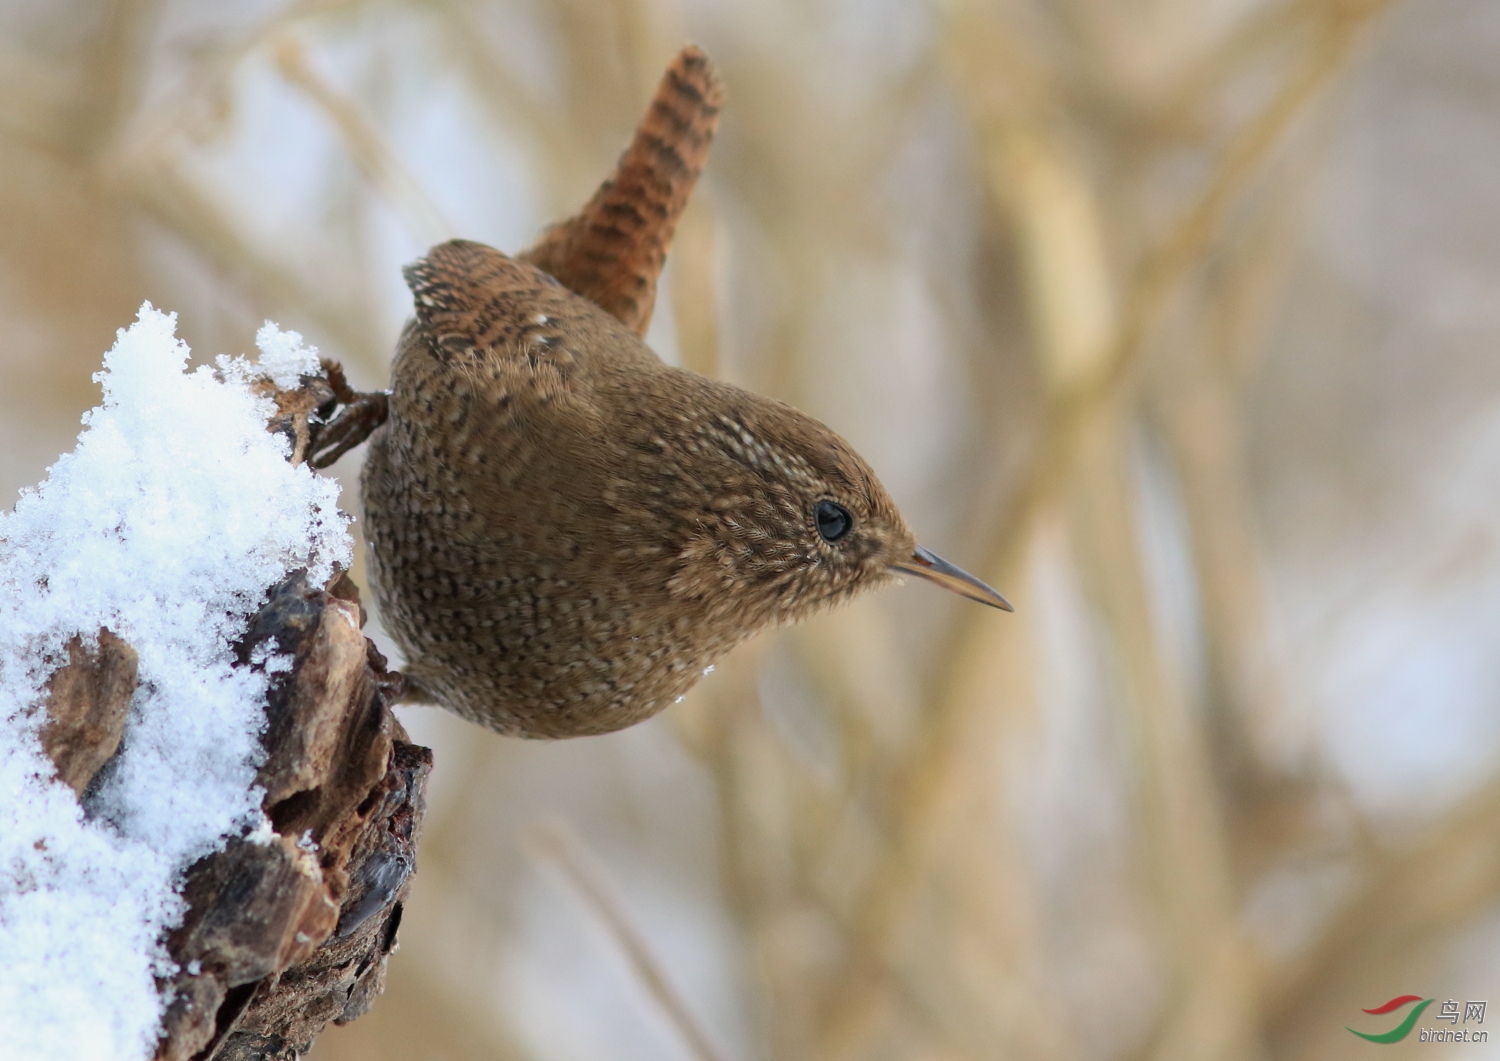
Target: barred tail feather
column 613, row 250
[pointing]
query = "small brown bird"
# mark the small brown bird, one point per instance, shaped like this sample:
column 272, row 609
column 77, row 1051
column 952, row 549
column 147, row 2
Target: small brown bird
column 565, row 532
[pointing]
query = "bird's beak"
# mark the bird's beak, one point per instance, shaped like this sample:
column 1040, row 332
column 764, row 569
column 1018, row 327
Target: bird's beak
column 934, row 568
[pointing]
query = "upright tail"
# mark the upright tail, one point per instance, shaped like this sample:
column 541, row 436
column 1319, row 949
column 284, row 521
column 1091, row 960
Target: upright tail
column 613, row 250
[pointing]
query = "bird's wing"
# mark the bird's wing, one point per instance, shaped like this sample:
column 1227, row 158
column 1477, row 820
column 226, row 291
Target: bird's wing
column 501, row 323
column 612, row 251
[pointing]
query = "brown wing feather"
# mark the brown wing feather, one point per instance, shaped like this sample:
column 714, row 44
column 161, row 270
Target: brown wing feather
column 613, row 250
column 470, row 297
column 485, row 315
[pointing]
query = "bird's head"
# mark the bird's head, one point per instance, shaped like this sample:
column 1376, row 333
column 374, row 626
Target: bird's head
column 788, row 518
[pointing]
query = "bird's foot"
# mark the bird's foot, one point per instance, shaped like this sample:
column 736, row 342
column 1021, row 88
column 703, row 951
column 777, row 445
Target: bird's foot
column 356, row 414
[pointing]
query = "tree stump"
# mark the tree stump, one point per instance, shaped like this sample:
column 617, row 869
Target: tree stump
column 290, row 927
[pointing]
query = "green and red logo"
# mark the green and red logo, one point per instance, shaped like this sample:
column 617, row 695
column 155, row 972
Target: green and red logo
column 1402, row 1030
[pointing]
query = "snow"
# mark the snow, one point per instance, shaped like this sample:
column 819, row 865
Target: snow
column 283, row 357
column 167, row 523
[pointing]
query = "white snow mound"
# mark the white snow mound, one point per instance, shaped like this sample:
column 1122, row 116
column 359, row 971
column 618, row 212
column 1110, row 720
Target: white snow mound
column 167, row 524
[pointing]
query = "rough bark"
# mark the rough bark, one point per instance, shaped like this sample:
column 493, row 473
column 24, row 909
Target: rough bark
column 291, row 928
column 88, row 699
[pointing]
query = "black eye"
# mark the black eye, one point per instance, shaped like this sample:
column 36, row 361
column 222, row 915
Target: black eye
column 833, row 519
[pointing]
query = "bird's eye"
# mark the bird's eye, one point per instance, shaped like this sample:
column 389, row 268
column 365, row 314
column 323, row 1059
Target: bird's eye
column 834, row 520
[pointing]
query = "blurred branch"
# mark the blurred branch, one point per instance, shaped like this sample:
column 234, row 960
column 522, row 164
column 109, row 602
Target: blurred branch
column 1410, row 900
column 1162, row 271
column 368, row 149
column 960, row 672
column 1196, row 410
column 206, row 79
column 114, row 73
column 34, row 97
column 574, row 122
column 507, row 95
column 554, row 843
column 1211, row 1005
column 1264, row 28
column 158, row 188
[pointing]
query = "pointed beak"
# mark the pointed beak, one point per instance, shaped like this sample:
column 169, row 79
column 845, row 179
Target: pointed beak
column 934, row 568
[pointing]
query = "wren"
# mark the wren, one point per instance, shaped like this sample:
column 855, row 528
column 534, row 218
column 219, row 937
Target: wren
column 563, row 531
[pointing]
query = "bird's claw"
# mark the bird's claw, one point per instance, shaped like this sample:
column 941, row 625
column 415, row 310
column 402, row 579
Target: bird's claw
column 355, row 416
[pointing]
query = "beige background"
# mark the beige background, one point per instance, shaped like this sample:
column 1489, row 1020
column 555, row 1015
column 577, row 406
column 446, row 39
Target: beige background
column 1174, row 319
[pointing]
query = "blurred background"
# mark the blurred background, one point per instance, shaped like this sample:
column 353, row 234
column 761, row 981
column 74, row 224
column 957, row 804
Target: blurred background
column 1173, row 319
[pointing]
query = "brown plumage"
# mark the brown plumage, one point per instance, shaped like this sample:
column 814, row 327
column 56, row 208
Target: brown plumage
column 613, row 250
column 564, row 532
